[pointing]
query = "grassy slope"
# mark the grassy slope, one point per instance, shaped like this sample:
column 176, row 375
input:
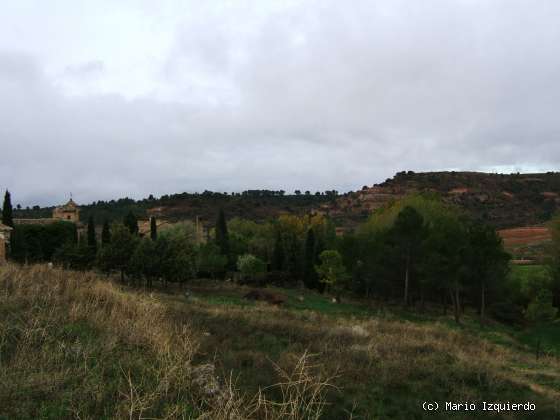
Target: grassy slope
column 387, row 362
column 68, row 343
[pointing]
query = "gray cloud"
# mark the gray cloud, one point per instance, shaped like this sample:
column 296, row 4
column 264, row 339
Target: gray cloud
column 313, row 95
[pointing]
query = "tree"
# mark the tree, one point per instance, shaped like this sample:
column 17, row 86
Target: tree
column 554, row 259
column 408, row 232
column 177, row 258
column 310, row 259
column 91, row 236
column 331, row 270
column 541, row 311
column 117, row 254
column 7, row 211
column 153, row 228
column 210, row 261
column 34, row 243
column 145, row 261
column 222, row 237
column 278, row 252
column 250, row 266
column 487, row 260
column 105, row 233
column 444, row 259
column 131, row 222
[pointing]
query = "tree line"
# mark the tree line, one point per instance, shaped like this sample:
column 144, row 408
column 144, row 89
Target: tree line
column 417, row 251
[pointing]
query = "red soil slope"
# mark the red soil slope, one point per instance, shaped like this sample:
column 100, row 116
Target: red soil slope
column 524, row 236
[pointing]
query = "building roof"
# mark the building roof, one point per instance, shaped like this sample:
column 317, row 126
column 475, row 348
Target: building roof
column 71, row 205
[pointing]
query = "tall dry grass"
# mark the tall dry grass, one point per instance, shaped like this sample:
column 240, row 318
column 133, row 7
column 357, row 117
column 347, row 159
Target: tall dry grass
column 74, row 345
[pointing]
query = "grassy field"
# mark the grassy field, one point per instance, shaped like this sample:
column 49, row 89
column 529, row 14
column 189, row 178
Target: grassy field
column 75, row 345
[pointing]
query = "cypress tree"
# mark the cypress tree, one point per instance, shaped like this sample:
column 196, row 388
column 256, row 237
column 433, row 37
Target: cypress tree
column 131, row 222
column 91, row 238
column 106, row 233
column 153, row 228
column 278, row 253
column 7, row 216
column 222, row 237
column 309, row 273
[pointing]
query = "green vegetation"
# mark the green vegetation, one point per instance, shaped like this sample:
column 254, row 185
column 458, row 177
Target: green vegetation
column 7, row 210
column 32, row 243
column 389, row 343
column 79, row 345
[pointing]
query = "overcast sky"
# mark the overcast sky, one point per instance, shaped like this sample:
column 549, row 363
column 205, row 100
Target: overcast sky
column 107, row 99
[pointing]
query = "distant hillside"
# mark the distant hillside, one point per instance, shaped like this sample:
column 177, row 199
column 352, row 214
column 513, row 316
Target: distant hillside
column 502, row 200
column 256, row 205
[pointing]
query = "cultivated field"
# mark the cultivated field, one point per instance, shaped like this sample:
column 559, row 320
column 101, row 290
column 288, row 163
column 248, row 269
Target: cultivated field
column 526, row 244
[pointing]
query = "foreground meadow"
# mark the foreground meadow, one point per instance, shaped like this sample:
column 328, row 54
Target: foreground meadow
column 76, row 345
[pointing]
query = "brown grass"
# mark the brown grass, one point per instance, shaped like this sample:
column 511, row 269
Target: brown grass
column 74, row 345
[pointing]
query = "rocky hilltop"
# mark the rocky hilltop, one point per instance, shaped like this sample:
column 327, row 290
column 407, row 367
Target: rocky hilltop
column 502, row 200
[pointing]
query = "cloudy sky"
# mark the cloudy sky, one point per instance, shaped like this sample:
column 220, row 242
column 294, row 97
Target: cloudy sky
column 107, row 98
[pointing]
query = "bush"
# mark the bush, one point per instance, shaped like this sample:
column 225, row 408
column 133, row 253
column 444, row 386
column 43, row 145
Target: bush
column 278, row 278
column 35, row 243
column 507, row 312
column 250, row 266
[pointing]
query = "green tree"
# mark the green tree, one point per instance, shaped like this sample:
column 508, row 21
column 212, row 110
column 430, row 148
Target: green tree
column 7, row 210
column 444, row 259
column 210, row 261
column 553, row 262
column 153, row 228
column 541, row 311
column 117, row 254
column 222, row 236
column 331, row 271
column 310, row 278
column 105, row 233
column 91, row 236
column 131, row 222
column 408, row 232
column 177, row 258
column 488, row 263
column 250, row 266
column 145, row 261
column 278, row 252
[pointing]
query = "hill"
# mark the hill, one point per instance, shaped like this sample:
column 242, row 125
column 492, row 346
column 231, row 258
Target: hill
column 504, row 201
column 501, row 200
column 78, row 345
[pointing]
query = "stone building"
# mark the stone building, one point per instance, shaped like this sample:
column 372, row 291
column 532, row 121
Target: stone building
column 4, row 241
column 69, row 212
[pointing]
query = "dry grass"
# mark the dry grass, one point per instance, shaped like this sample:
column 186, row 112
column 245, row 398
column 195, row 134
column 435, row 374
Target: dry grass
column 384, row 368
column 73, row 345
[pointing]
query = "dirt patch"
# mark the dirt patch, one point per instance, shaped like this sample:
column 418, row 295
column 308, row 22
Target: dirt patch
column 266, row 296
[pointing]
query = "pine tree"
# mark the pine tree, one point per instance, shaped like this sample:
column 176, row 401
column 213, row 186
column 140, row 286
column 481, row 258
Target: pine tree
column 7, row 216
column 153, row 228
column 408, row 232
column 131, row 222
column 222, row 237
column 91, row 238
column 106, row 233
